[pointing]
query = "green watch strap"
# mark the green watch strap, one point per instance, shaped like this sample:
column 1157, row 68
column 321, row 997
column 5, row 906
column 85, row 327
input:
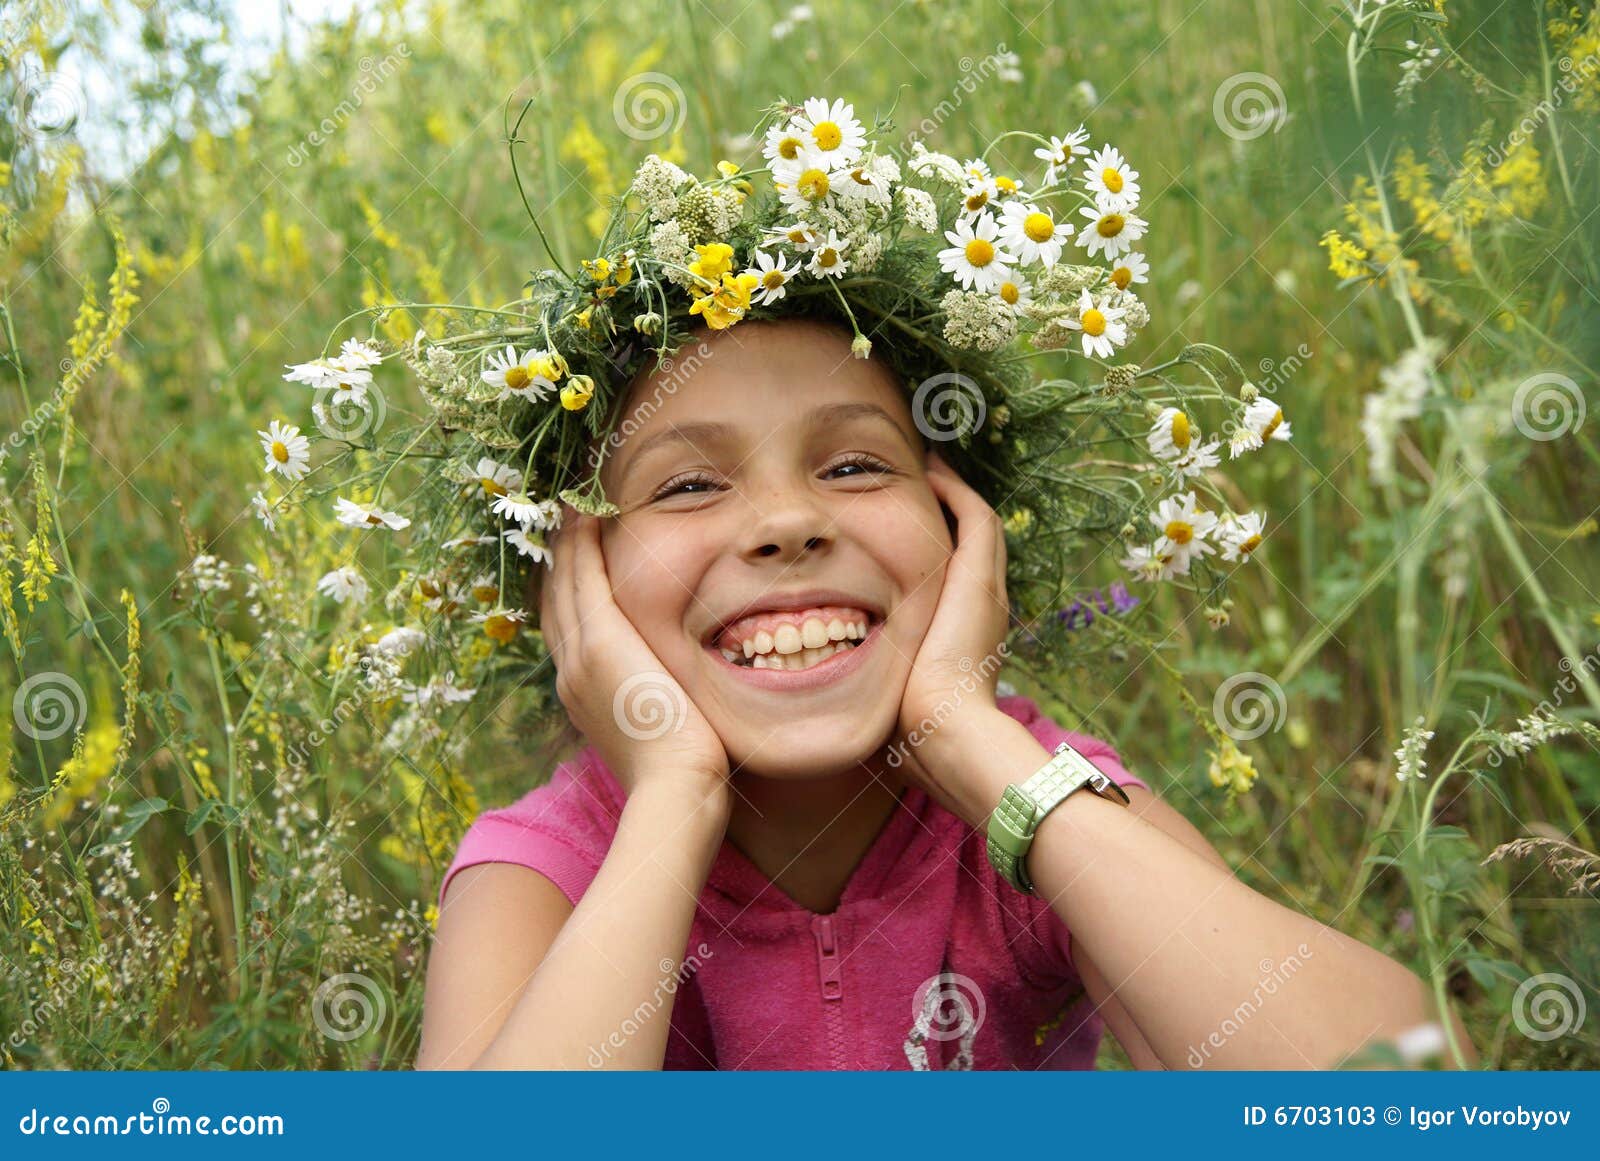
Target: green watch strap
column 1021, row 808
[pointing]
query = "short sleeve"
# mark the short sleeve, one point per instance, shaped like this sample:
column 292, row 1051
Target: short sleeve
column 562, row 829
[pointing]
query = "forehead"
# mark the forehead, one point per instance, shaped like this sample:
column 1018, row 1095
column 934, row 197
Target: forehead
column 754, row 379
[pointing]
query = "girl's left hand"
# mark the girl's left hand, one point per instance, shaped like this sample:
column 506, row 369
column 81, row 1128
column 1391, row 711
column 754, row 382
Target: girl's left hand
column 952, row 682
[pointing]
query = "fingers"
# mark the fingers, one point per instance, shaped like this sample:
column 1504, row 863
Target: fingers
column 980, row 546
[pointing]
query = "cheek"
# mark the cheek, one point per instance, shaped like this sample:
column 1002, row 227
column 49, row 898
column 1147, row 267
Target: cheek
column 652, row 578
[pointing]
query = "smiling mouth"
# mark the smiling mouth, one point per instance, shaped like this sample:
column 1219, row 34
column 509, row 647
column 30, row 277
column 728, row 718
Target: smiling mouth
column 787, row 642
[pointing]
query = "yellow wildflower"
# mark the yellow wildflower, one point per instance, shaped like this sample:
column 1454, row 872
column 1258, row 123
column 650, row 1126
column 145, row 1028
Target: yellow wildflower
column 1345, row 258
column 576, row 394
column 726, row 305
column 716, row 259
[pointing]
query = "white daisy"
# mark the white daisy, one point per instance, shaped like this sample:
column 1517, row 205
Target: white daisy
column 470, row 541
column 806, row 182
column 973, row 258
column 288, row 452
column 774, row 274
column 529, row 545
column 1014, row 291
column 1060, row 152
column 1111, row 179
column 344, row 584
column 518, row 375
column 1130, row 268
column 784, row 143
column 978, row 195
column 347, row 376
column 484, row 587
column 1171, row 434
column 831, row 129
column 1032, row 233
column 1199, row 459
column 1110, row 230
column 263, row 511
column 801, row 236
column 362, row 516
column 1102, row 326
column 827, row 260
column 1184, row 527
column 356, row 353
column 1149, row 564
column 496, row 479
column 870, row 180
column 1265, row 418
column 518, row 506
column 1241, row 535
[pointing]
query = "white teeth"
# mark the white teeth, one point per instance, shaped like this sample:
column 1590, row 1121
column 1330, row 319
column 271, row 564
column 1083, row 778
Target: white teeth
column 787, row 639
column 763, row 642
column 813, row 634
column 804, row 659
column 731, row 655
column 836, row 630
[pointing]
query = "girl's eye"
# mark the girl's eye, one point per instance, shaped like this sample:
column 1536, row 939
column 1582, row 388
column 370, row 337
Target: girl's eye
column 871, row 463
column 677, row 484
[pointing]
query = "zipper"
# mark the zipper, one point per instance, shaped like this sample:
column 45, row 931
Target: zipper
column 831, row 976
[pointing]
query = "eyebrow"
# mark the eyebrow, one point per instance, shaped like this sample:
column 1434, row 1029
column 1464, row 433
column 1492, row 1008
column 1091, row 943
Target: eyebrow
column 707, row 431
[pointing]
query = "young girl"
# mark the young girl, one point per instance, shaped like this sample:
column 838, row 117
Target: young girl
column 764, row 864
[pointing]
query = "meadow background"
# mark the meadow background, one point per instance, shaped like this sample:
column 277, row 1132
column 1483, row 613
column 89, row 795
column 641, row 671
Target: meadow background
column 196, row 871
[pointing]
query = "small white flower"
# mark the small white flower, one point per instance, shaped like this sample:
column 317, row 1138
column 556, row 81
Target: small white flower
column 520, row 375
column 363, row 516
column 344, row 584
column 356, row 353
column 979, row 194
column 1128, row 269
column 496, row 479
column 1014, row 291
column 1241, row 535
column 806, row 182
column 288, row 452
column 1184, row 527
column 1032, row 233
column 973, row 258
column 525, row 510
column 470, row 541
column 1200, row 458
column 1149, row 564
column 1111, row 230
column 774, row 273
column 925, row 163
column 441, row 689
column 1111, row 179
column 1060, row 152
column 1102, row 326
column 530, row 545
column 827, row 260
column 831, row 130
column 1171, row 434
column 870, row 180
column 800, row 236
column 263, row 511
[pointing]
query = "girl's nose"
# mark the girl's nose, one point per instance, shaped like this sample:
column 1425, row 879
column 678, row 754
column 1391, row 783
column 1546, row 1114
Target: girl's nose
column 787, row 529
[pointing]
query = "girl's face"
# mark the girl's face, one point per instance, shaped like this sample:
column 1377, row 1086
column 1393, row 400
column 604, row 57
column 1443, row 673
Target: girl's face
column 773, row 472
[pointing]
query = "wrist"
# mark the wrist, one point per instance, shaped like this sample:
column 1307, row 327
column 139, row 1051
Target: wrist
column 976, row 760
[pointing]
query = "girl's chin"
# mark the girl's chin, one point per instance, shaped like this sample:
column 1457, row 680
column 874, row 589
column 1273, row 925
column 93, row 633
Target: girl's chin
column 809, row 747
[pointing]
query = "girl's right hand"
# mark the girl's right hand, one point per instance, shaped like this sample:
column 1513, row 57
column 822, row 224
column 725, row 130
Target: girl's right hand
column 613, row 686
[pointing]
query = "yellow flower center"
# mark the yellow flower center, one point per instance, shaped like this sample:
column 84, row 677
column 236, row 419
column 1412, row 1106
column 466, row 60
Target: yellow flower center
column 1094, row 323
column 1250, row 546
column 1111, row 179
column 1277, row 418
column 501, row 629
column 977, row 201
column 280, row 452
column 772, row 279
column 827, row 257
column 1039, row 227
column 1110, row 225
column 517, row 377
column 860, row 176
column 1121, row 277
column 1180, row 430
column 979, row 252
column 1006, row 184
column 1180, row 532
column 789, row 148
column 827, row 134
column 485, row 593
column 798, row 236
column 813, row 185
column 491, row 488
column 1010, row 292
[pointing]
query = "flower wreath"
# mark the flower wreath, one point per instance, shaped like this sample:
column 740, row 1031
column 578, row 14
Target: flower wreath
column 964, row 276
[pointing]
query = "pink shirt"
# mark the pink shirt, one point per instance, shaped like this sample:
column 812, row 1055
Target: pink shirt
column 930, row 960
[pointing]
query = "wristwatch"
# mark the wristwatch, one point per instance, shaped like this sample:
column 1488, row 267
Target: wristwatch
column 1014, row 821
